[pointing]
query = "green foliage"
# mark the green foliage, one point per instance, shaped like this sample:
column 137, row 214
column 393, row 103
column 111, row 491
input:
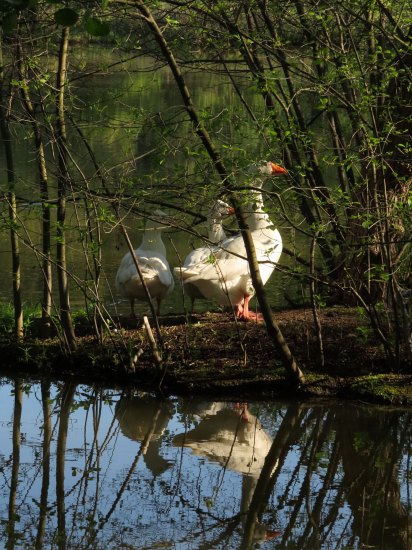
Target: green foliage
column 378, row 387
column 96, row 27
column 320, row 89
column 364, row 332
column 66, row 17
column 30, row 313
column 6, row 319
column 106, row 215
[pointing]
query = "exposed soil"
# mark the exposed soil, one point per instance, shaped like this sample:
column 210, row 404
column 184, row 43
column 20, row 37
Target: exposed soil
column 214, row 355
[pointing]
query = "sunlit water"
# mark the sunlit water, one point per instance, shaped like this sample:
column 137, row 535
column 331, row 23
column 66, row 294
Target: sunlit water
column 101, row 469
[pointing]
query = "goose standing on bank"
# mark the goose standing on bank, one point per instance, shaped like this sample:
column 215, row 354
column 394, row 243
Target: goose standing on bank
column 216, row 234
column 151, row 257
column 225, row 278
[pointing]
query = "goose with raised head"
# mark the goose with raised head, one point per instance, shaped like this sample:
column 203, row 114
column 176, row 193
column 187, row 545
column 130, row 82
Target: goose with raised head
column 224, row 277
column 216, row 234
column 151, row 257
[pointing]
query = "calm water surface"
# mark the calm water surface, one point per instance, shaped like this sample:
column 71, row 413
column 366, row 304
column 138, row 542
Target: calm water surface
column 82, row 468
column 119, row 115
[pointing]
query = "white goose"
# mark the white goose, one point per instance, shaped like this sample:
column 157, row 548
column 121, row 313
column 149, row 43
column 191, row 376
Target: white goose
column 225, row 278
column 216, row 234
column 151, row 256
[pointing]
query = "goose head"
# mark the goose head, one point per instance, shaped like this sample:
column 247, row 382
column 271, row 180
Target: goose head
column 217, row 213
column 266, row 168
column 220, row 208
column 158, row 221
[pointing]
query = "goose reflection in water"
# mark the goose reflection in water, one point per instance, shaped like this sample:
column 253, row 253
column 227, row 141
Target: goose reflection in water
column 231, row 436
column 145, row 418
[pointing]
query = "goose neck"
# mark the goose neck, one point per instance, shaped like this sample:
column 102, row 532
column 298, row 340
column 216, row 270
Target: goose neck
column 152, row 240
column 216, row 232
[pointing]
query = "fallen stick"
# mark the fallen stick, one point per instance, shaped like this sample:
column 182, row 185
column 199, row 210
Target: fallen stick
column 157, row 356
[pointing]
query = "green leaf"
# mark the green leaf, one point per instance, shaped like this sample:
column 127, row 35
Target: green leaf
column 66, row 17
column 95, row 27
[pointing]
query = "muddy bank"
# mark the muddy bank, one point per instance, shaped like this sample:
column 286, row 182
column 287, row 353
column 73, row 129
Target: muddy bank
column 211, row 354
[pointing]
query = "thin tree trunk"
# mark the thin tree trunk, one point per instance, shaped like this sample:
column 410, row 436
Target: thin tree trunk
column 63, row 180
column 14, row 481
column 15, row 253
column 316, row 320
column 11, row 198
column 311, row 198
column 141, row 452
column 47, row 435
column 65, row 408
column 268, row 472
column 44, row 197
column 274, row 331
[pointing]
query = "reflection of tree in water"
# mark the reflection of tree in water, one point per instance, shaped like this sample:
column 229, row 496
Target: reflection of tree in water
column 141, row 418
column 370, row 462
column 322, row 476
column 348, row 456
column 67, row 396
column 14, row 478
column 140, row 415
column 231, row 436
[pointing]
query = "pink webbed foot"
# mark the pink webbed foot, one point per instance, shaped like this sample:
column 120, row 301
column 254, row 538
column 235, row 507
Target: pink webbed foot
column 244, row 314
column 254, row 316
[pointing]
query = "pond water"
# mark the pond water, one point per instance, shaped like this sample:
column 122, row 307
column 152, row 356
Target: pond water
column 87, row 468
column 133, row 119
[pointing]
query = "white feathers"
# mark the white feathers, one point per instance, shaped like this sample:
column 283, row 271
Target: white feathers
column 151, row 257
column 223, row 274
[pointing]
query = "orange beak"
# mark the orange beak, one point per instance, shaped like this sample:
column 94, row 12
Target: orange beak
column 278, row 170
column 230, row 211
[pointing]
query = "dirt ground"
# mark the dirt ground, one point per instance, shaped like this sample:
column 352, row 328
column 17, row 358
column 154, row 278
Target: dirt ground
column 213, row 354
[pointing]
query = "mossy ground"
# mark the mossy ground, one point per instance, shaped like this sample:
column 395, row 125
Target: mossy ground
column 215, row 355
